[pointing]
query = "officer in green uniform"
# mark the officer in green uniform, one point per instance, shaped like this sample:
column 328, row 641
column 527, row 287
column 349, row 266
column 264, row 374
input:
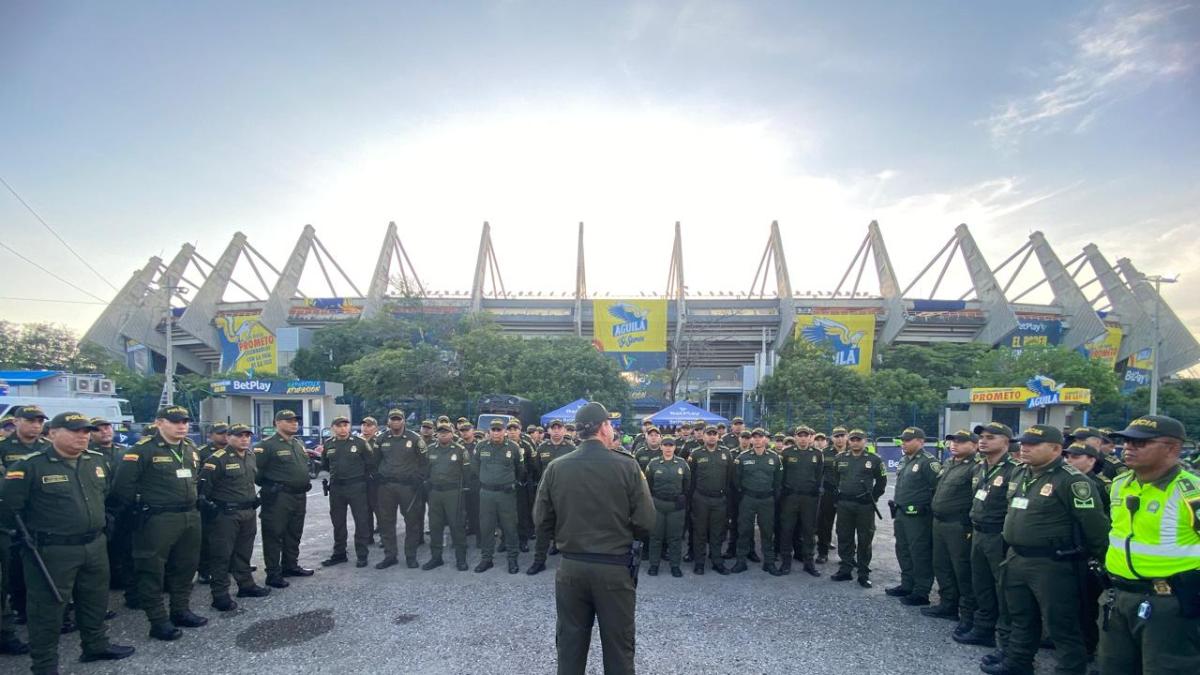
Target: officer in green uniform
column 668, row 477
column 59, row 494
column 120, row 554
column 449, row 467
column 732, row 439
column 8, row 426
column 218, row 439
column 952, row 533
column 695, row 441
column 1153, row 560
column 157, row 477
column 227, row 495
column 500, row 470
column 1086, row 458
column 466, row 434
column 426, row 432
column 1054, row 524
column 827, row 511
column 640, row 439
column 861, row 479
column 802, row 469
column 403, row 468
column 596, row 502
column 103, row 443
column 989, row 503
column 349, row 461
column 524, row 489
column 758, row 475
column 367, row 431
column 916, row 479
column 569, row 433
column 551, row 449
column 651, row 447
column 26, row 439
column 1111, row 467
column 712, row 479
column 282, row 472
column 731, row 504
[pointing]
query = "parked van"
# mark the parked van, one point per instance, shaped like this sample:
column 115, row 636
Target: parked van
column 108, row 408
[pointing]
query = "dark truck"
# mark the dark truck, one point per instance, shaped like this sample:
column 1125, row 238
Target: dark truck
column 504, row 407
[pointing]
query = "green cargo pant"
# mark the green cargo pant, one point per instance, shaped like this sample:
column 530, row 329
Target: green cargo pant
column 1164, row 644
column 826, row 512
column 498, row 509
column 1042, row 592
column 952, row 566
column 81, row 575
column 668, row 528
column 202, row 567
column 8, row 627
column 987, row 553
column 798, row 512
column 914, row 551
column 762, row 508
column 855, row 532
column 166, row 552
column 446, row 509
column 587, row 592
column 282, row 518
column 351, row 497
column 708, row 527
column 400, row 498
column 230, row 544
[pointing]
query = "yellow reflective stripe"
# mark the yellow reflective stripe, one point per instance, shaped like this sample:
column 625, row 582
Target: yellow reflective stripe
column 1154, row 550
column 1168, row 525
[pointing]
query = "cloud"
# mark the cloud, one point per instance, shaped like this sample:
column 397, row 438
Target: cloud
column 1119, row 53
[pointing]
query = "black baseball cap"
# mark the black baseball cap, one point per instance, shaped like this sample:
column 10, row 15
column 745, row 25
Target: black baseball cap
column 285, row 415
column 30, row 412
column 239, row 429
column 178, row 413
column 1079, row 448
column 71, row 421
column 962, row 436
column 912, row 432
column 994, row 428
column 340, row 419
column 592, row 414
column 1041, row 433
column 1153, row 426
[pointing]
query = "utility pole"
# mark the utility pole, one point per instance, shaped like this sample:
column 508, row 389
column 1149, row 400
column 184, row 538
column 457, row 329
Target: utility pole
column 1158, row 280
column 168, row 392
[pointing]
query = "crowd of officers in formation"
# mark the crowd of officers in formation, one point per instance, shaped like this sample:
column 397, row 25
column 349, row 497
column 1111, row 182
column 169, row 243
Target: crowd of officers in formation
column 1022, row 534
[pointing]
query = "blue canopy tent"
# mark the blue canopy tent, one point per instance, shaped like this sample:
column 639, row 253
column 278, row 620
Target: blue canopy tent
column 683, row 412
column 565, row 413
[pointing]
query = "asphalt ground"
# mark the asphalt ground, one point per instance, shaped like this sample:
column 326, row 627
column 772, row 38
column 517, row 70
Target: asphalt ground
column 347, row 620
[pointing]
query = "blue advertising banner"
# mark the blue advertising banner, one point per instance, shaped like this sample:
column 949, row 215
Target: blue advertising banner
column 1029, row 332
column 278, row 387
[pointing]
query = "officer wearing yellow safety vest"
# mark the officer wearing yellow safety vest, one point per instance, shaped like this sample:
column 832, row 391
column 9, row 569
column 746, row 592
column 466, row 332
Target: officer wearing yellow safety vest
column 1152, row 614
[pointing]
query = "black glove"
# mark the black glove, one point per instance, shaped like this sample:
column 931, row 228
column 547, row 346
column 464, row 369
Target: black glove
column 426, row 487
column 892, row 508
column 206, row 506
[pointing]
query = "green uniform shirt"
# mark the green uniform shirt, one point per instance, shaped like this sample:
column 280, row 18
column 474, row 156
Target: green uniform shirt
column 548, row 452
column 689, row 446
column 802, row 470
column 645, row 454
column 347, row 459
column 955, row 491
column 281, row 461
column 828, row 471
column 449, row 464
column 1111, row 466
column 758, row 473
column 668, row 479
column 163, row 474
column 402, row 455
column 731, row 440
column 500, row 463
column 228, row 476
column 112, row 454
column 208, row 449
column 712, row 470
column 54, row 495
column 916, row 479
column 1044, row 507
column 861, row 476
column 12, row 449
column 989, row 503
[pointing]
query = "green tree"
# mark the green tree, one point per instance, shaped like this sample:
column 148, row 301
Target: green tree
column 1007, row 368
column 1177, row 398
column 337, row 346
column 42, row 346
column 552, row 372
column 808, row 387
column 944, row 364
column 899, row 398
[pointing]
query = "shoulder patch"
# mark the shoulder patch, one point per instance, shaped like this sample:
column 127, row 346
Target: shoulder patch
column 130, row 457
column 936, row 466
column 219, row 453
column 14, row 475
column 1070, row 469
column 1082, row 489
column 144, row 440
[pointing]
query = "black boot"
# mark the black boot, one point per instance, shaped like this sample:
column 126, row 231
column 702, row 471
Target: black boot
column 739, row 567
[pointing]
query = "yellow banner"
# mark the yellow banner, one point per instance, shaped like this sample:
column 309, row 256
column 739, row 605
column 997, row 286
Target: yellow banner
column 1070, row 395
column 1104, row 348
column 629, row 325
column 246, row 345
column 851, row 335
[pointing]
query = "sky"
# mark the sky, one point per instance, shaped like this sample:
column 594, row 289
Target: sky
column 131, row 128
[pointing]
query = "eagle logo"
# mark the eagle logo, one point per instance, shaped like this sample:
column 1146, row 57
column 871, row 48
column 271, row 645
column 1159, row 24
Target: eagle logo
column 824, row 329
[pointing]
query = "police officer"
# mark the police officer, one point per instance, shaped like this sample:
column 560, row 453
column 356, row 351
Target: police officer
column 26, row 439
column 349, row 461
column 731, row 504
column 1088, row 460
column 403, row 468
column 668, row 477
column 227, row 491
column 1054, row 523
column 570, row 433
column 158, row 477
column 103, row 443
column 1153, row 561
column 218, row 439
column 368, row 431
column 525, row 489
column 8, row 426
column 118, row 532
column 758, row 475
column 282, row 471
column 59, row 494
column 861, row 479
column 466, row 433
column 449, row 466
column 1111, row 467
column 916, row 478
column 640, row 439
column 426, row 432
column 732, row 439
column 827, row 510
column 712, row 479
column 500, row 470
column 596, row 502
column 553, row 448
column 651, row 447
column 989, row 503
column 952, row 533
column 802, row 469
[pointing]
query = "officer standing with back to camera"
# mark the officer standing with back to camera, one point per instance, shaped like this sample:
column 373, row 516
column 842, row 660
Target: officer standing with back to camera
column 282, row 471
column 58, row 493
column 1153, row 610
column 597, row 502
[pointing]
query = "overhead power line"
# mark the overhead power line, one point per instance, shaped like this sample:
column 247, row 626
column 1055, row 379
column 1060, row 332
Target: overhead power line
column 69, row 302
column 16, row 253
column 56, row 235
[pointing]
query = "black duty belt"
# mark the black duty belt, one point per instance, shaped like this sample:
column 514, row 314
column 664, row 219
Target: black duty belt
column 758, row 495
column 801, row 493
column 347, row 481
column 270, row 485
column 964, row 518
column 235, row 506
column 401, row 481
column 503, row 487
column 1042, row 552
column 713, row 495
column 155, row 510
column 670, row 499
column 444, row 487
column 1142, row 586
column 988, row 528
column 47, row 539
column 856, row 500
column 600, row 558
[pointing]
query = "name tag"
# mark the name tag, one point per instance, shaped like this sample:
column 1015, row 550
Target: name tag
column 981, row 495
column 1020, row 503
column 183, row 473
